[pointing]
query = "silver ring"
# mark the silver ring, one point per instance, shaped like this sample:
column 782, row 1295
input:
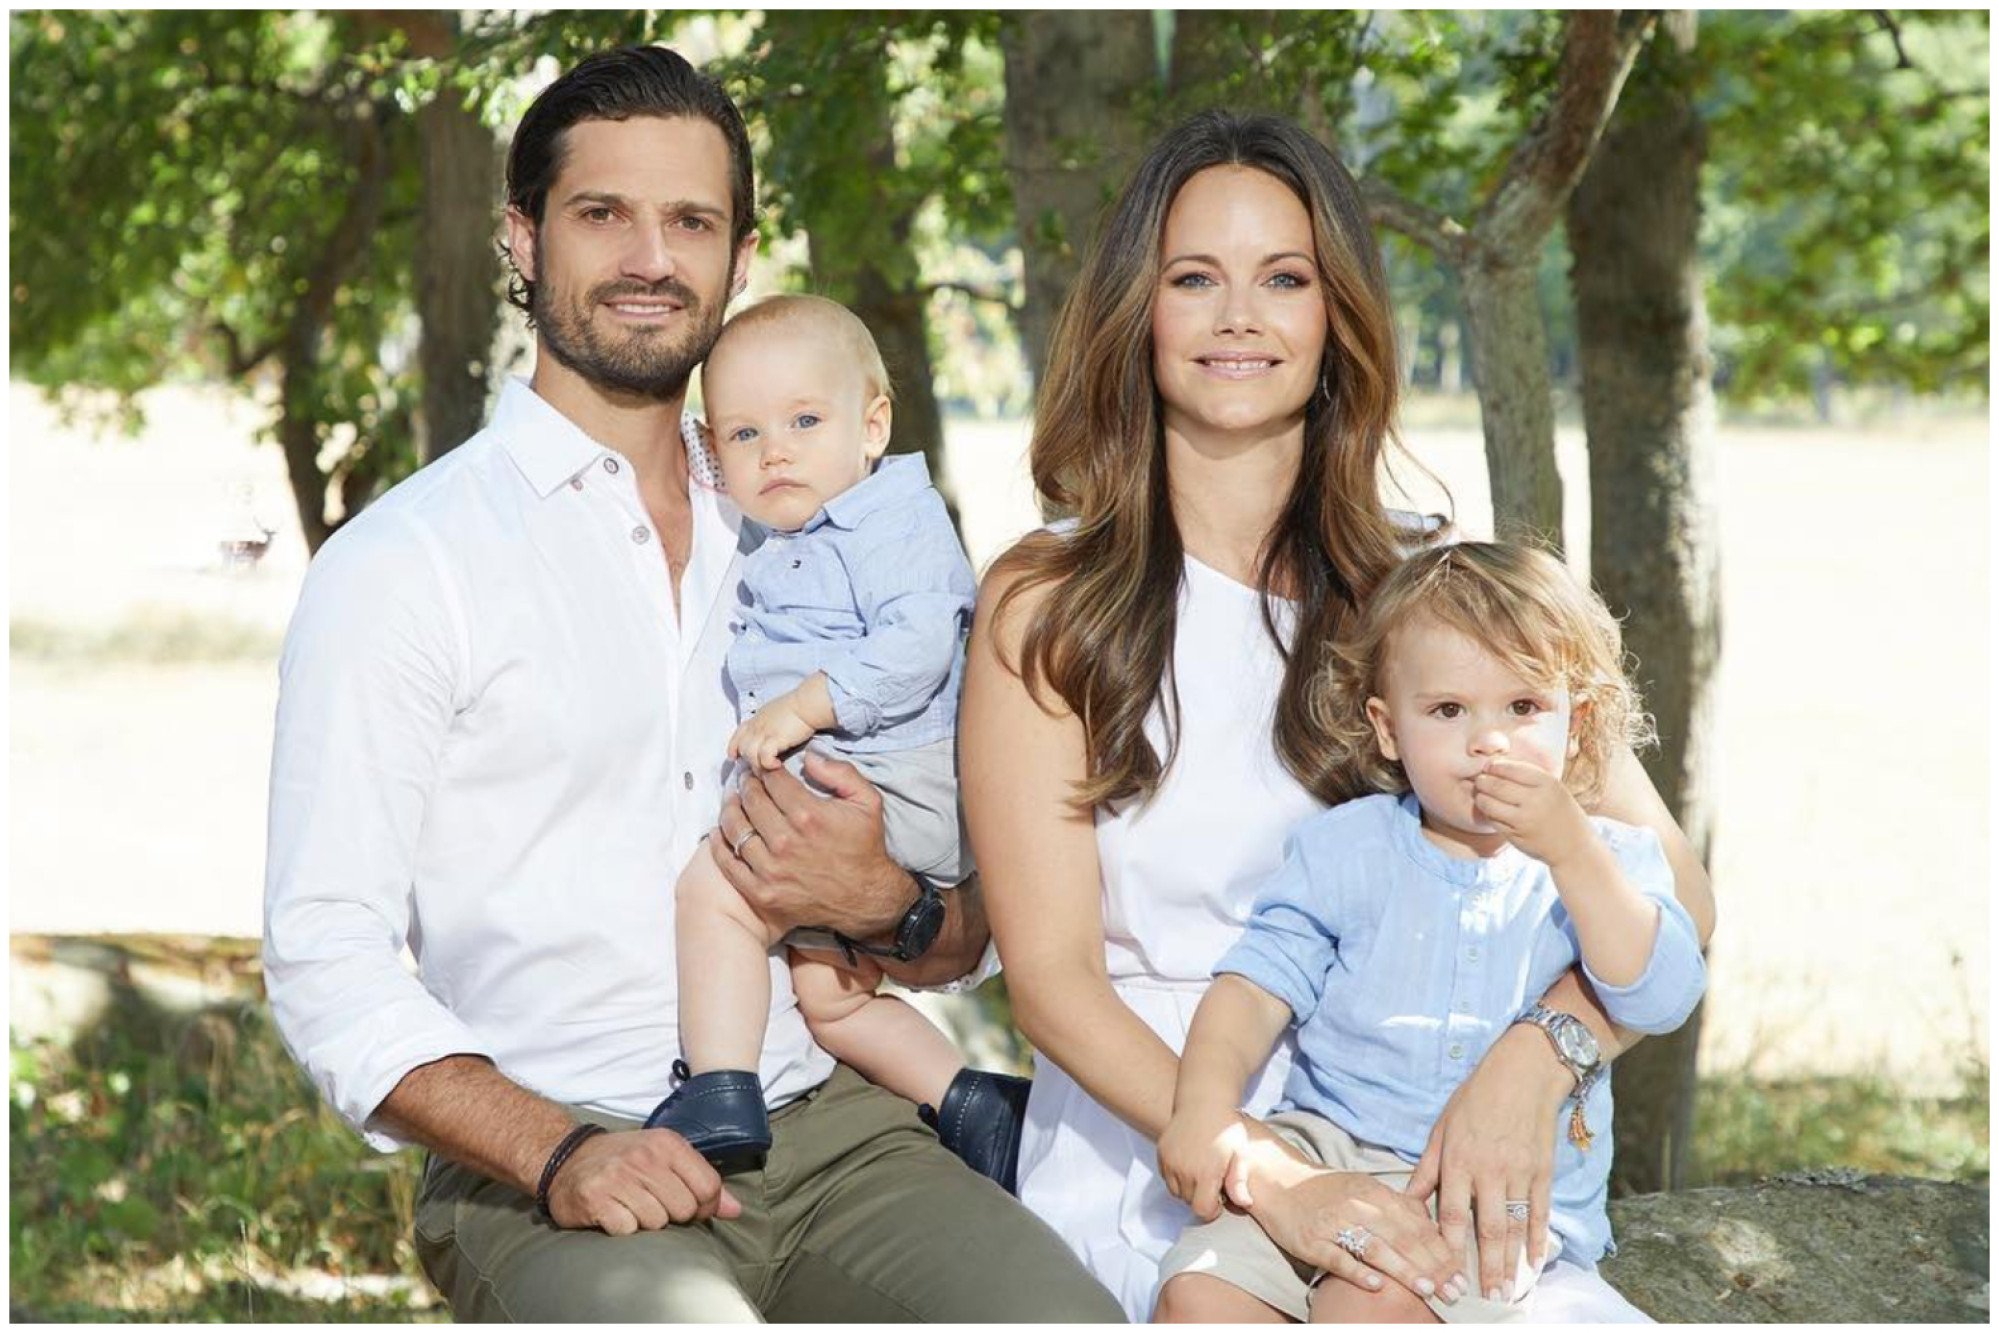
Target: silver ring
column 1516, row 1209
column 736, row 846
column 1354, row 1241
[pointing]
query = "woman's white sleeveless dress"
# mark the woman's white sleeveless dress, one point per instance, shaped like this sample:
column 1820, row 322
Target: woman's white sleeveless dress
column 1180, row 873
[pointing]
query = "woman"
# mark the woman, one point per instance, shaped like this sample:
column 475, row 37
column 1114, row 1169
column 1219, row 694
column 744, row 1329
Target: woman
column 1135, row 741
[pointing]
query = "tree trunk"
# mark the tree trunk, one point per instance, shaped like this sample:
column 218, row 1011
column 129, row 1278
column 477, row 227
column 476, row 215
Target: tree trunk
column 1655, row 548
column 1073, row 133
column 861, row 255
column 457, row 266
column 1515, row 399
column 345, row 242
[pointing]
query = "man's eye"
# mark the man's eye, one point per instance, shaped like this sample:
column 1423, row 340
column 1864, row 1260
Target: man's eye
column 597, row 214
column 696, row 223
column 806, row 421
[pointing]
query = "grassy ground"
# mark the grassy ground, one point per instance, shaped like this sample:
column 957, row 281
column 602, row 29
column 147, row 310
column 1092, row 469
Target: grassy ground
column 175, row 1164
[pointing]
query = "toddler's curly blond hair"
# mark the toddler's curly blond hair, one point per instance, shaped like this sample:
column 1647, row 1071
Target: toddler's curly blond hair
column 1522, row 605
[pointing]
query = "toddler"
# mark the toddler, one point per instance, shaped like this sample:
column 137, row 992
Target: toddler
column 850, row 635
column 1484, row 696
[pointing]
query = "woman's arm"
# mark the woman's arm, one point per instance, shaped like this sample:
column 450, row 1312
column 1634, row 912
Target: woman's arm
column 1495, row 1140
column 1019, row 763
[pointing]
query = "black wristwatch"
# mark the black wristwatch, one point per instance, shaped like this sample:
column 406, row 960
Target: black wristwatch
column 914, row 934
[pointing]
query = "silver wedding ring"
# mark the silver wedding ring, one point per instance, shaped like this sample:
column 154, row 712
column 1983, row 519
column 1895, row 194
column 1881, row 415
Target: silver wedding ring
column 1517, row 1209
column 1354, row 1241
column 738, row 844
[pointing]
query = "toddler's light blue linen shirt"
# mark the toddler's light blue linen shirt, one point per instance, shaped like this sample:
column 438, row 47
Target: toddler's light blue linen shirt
column 876, row 592
column 1402, row 965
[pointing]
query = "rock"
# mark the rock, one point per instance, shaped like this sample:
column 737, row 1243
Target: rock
column 1830, row 1246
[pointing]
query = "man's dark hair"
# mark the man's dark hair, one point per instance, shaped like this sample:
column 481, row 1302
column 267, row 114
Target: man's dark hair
column 617, row 85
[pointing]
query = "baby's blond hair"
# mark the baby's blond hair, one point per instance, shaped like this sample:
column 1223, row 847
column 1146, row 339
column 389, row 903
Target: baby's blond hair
column 819, row 315
column 1521, row 605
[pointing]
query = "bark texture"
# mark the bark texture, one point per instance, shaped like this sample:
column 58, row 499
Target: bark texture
column 1497, row 255
column 1072, row 137
column 457, row 267
column 1655, row 551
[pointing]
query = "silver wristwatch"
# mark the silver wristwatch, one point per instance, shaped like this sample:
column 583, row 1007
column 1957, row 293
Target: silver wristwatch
column 1575, row 1046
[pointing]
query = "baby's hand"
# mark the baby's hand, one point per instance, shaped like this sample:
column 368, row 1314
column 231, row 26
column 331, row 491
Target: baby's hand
column 775, row 729
column 1532, row 807
column 1196, row 1154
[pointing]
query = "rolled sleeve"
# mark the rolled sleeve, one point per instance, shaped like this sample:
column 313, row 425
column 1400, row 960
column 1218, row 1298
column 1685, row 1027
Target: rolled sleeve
column 1287, row 947
column 368, row 683
column 1675, row 977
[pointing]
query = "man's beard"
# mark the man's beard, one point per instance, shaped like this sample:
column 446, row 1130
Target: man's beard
column 643, row 362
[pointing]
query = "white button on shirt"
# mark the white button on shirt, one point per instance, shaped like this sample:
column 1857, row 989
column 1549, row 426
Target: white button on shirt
column 497, row 744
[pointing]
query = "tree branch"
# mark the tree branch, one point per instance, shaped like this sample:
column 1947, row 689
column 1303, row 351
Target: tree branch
column 1598, row 51
column 238, row 362
column 1445, row 236
column 1894, row 31
column 984, row 295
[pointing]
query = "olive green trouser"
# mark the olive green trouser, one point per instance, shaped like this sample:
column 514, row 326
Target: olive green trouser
column 859, row 1214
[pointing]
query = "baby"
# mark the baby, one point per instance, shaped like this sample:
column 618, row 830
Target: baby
column 1484, row 696
column 850, row 635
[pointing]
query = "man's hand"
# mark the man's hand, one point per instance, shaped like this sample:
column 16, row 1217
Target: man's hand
column 1196, row 1154
column 770, row 733
column 1533, row 809
column 637, row 1180
column 801, row 859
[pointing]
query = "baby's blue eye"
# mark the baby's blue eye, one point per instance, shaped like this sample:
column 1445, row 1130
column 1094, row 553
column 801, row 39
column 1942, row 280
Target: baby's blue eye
column 806, row 421
column 742, row 436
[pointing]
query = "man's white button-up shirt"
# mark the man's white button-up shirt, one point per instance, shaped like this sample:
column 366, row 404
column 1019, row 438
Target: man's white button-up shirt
column 498, row 744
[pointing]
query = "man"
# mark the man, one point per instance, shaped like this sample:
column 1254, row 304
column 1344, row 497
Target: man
column 501, row 734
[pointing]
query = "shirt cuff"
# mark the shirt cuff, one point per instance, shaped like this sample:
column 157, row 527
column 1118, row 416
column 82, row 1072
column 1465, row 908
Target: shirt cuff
column 983, row 971
column 1665, row 993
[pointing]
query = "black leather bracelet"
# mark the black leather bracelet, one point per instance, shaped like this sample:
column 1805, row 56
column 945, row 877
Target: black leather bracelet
column 570, row 1143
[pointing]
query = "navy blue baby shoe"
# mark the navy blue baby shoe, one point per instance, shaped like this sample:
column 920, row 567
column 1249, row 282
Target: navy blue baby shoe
column 980, row 1121
column 721, row 1113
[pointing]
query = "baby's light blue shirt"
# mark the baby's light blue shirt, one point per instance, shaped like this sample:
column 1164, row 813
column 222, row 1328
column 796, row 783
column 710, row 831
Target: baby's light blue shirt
column 1402, row 965
column 876, row 592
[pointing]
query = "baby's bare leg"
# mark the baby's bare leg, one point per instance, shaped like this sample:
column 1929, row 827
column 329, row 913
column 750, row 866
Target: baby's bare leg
column 1338, row 1301
column 725, row 1009
column 880, row 1035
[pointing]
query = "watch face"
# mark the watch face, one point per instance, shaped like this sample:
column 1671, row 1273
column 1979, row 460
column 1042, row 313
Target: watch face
column 919, row 929
column 1578, row 1046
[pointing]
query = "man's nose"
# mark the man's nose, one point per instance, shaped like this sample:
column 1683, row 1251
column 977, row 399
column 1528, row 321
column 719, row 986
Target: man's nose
column 648, row 256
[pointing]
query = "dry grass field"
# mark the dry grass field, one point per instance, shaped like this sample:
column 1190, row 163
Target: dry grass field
column 1853, row 857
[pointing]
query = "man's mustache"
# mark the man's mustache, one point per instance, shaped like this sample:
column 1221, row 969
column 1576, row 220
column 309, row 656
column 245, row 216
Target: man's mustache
column 667, row 288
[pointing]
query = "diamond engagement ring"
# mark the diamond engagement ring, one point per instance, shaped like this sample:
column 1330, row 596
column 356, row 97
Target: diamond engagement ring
column 1354, row 1241
column 1517, row 1209
column 744, row 841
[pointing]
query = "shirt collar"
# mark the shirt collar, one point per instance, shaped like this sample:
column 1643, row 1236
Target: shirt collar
column 1457, row 870
column 894, row 480
column 549, row 448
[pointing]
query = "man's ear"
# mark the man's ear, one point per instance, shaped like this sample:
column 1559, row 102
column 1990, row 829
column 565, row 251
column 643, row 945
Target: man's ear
column 876, row 425
column 745, row 252
column 521, row 243
column 1384, row 728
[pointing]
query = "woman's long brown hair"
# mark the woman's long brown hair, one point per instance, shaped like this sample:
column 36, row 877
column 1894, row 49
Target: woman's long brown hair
column 1103, row 638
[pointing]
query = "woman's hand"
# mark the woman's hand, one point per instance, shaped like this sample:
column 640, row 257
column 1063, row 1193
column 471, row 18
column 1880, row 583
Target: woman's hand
column 1196, row 1153
column 1306, row 1216
column 1495, row 1142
